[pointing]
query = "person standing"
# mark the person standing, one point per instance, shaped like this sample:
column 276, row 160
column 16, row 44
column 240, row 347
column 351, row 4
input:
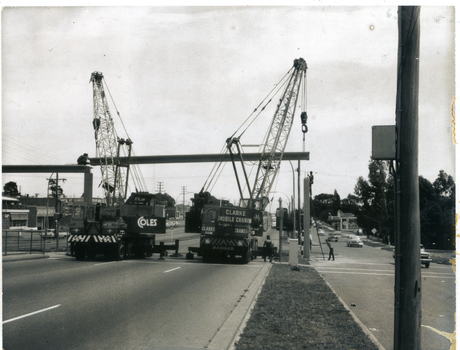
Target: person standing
column 331, row 250
column 268, row 249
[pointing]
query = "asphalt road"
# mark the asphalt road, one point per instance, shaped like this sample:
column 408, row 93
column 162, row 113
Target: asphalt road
column 62, row 303
column 364, row 279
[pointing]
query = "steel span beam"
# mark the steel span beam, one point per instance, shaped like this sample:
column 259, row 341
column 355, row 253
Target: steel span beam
column 48, row 169
column 45, row 169
column 198, row 158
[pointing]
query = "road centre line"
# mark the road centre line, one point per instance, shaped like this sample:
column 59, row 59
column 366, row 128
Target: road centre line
column 176, row 268
column 30, row 314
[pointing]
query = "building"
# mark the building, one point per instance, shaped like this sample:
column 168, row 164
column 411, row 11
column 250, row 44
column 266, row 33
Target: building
column 15, row 214
column 344, row 221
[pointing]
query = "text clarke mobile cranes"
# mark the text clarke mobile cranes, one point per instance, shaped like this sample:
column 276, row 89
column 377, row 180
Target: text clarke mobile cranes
column 227, row 230
column 122, row 227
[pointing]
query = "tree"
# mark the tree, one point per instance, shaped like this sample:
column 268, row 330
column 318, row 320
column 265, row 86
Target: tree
column 437, row 211
column 11, row 189
column 335, row 202
column 165, row 199
column 55, row 191
column 376, row 196
column 323, row 205
column 444, row 185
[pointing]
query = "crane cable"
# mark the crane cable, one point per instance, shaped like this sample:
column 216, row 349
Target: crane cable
column 212, row 176
column 138, row 178
column 277, row 87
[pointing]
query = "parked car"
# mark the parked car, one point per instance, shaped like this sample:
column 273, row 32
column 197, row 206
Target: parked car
column 424, row 256
column 355, row 242
column 50, row 234
column 321, row 232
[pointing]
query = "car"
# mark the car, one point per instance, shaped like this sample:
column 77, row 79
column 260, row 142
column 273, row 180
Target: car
column 52, row 233
column 355, row 242
column 333, row 237
column 321, row 232
column 424, row 256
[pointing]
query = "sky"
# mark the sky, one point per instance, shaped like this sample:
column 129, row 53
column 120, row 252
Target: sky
column 185, row 78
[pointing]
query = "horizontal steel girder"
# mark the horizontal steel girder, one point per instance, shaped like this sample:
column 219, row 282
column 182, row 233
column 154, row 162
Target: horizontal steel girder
column 180, row 158
column 198, row 158
column 46, row 169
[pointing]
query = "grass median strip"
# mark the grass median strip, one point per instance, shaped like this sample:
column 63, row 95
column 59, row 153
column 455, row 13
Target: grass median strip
column 297, row 310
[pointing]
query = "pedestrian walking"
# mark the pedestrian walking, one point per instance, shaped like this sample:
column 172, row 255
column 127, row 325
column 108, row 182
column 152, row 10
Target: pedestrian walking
column 268, row 249
column 331, row 250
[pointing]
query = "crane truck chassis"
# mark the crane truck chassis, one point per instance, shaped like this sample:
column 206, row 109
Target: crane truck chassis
column 123, row 231
column 228, row 232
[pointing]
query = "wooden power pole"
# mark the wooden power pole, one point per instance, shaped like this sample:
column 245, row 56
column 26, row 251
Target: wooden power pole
column 407, row 313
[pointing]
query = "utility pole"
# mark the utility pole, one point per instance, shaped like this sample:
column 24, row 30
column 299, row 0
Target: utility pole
column 407, row 313
column 281, row 215
column 160, row 187
column 298, row 203
column 184, row 190
column 57, row 206
column 306, row 218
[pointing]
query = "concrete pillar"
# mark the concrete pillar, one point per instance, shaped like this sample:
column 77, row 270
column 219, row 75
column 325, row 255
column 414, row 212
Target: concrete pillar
column 88, row 188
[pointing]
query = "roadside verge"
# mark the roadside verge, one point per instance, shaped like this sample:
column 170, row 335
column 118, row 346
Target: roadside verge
column 296, row 309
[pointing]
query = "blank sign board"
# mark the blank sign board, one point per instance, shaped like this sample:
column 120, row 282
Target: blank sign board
column 383, row 142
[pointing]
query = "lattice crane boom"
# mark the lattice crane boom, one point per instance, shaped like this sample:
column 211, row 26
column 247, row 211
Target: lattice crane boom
column 278, row 133
column 107, row 142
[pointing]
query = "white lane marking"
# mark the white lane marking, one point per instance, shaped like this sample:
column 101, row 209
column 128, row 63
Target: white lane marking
column 352, row 269
column 172, row 269
column 357, row 273
column 30, row 314
column 197, row 262
column 104, row 263
column 376, row 274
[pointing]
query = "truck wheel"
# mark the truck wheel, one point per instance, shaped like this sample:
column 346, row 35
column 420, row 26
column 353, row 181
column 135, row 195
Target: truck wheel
column 120, row 251
column 80, row 254
column 248, row 256
column 130, row 250
column 150, row 247
column 427, row 265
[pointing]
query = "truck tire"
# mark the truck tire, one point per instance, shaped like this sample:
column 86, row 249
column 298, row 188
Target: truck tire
column 206, row 256
column 80, row 254
column 120, row 251
column 248, row 256
column 129, row 250
column 427, row 265
column 150, row 247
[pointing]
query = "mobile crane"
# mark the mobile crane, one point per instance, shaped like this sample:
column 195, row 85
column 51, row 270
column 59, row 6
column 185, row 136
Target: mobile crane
column 121, row 227
column 236, row 230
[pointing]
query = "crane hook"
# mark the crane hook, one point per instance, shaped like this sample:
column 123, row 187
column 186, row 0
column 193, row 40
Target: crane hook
column 303, row 118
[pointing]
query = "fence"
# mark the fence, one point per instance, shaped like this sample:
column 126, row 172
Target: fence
column 31, row 241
